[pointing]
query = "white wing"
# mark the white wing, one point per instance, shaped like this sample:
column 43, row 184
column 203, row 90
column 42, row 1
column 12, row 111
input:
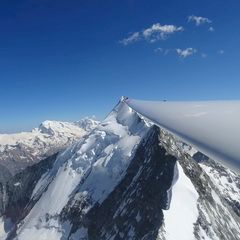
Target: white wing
column 213, row 127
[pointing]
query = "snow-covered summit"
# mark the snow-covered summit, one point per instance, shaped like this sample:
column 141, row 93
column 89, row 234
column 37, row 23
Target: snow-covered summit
column 22, row 149
column 58, row 128
column 88, row 124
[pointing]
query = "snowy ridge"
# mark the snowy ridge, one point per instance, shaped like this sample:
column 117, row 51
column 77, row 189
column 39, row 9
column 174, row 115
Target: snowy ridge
column 97, row 161
column 22, row 149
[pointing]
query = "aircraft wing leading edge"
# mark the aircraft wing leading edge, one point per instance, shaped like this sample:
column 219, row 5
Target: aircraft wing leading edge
column 212, row 127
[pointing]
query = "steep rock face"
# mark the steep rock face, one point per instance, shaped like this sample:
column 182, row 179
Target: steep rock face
column 17, row 151
column 217, row 216
column 21, row 186
column 15, row 194
column 128, row 179
column 226, row 181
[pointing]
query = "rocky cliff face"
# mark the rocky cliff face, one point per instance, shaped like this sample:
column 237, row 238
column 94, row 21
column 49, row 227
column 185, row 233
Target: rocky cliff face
column 133, row 210
column 16, row 194
column 127, row 179
column 218, row 193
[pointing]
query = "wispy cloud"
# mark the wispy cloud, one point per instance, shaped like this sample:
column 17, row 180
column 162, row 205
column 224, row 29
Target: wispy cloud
column 162, row 51
column 183, row 53
column 131, row 39
column 152, row 34
column 198, row 20
column 203, row 55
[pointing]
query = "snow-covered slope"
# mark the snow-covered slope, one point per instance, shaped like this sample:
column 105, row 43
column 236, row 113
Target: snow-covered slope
column 89, row 171
column 211, row 126
column 23, row 149
column 126, row 179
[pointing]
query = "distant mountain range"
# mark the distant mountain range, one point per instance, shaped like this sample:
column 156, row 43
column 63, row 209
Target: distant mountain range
column 20, row 150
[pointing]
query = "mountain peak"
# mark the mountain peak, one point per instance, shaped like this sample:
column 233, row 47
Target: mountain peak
column 54, row 127
column 23, row 149
column 87, row 123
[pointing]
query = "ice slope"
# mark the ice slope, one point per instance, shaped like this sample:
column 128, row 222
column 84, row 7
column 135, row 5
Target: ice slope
column 183, row 203
column 211, row 126
column 92, row 168
column 22, row 149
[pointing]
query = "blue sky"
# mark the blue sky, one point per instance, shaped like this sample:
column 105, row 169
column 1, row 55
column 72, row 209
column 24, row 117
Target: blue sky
column 65, row 60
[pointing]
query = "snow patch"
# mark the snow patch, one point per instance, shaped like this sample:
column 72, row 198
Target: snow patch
column 183, row 213
column 5, row 227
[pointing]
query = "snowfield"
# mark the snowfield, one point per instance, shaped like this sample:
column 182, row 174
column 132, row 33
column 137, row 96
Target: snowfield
column 212, row 127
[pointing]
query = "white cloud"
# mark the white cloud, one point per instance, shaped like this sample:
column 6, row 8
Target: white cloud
column 152, row 34
column 160, row 32
column 221, row 51
column 131, row 39
column 198, row 20
column 183, row 53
